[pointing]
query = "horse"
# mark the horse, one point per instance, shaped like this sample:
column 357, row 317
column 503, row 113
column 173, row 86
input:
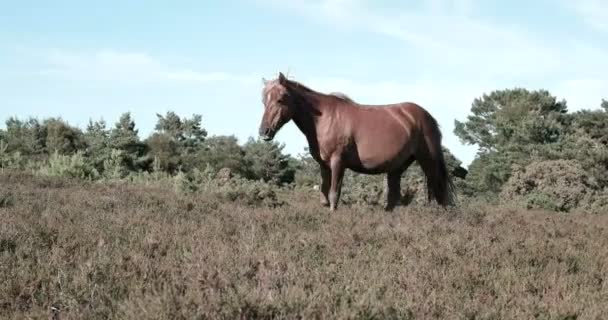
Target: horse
column 369, row 139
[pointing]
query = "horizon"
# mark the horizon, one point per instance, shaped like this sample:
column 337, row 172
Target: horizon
column 96, row 61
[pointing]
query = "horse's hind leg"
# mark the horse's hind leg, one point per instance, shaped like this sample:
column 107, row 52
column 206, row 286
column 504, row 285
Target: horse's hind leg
column 325, row 184
column 393, row 183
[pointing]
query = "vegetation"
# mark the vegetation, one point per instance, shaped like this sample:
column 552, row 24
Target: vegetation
column 516, row 130
column 120, row 250
column 102, row 223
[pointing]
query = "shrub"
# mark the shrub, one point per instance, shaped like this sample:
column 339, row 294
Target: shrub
column 240, row 190
column 599, row 203
column 362, row 190
column 13, row 160
column 73, row 166
column 558, row 185
column 370, row 190
column 114, row 167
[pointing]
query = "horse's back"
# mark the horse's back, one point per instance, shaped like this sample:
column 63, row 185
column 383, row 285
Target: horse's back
column 383, row 136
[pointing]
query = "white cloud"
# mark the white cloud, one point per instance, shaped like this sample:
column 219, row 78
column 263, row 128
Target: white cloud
column 127, row 67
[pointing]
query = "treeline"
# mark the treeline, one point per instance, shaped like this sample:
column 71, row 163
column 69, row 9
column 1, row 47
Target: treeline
column 533, row 153
column 176, row 145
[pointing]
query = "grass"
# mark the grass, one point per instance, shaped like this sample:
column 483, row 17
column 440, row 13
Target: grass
column 82, row 250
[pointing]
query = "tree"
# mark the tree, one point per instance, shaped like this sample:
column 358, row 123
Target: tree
column 62, row 138
column 187, row 131
column 592, row 123
column 509, row 127
column 165, row 150
column 586, row 142
column 124, row 137
column 223, row 152
column 267, row 162
column 26, row 137
column 97, row 140
column 512, row 116
column 176, row 141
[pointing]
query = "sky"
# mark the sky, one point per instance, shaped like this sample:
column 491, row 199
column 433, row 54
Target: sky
column 82, row 60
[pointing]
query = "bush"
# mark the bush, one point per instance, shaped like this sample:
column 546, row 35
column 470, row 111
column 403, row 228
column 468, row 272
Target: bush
column 13, row 160
column 73, row 166
column 113, row 166
column 370, row 190
column 240, row 190
column 364, row 190
column 558, row 185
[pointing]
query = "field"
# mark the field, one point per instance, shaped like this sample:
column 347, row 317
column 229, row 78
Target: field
column 81, row 250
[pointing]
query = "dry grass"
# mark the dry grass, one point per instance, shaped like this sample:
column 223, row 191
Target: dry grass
column 76, row 250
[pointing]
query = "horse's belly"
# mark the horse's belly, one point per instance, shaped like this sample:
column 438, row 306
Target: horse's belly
column 384, row 142
column 382, row 157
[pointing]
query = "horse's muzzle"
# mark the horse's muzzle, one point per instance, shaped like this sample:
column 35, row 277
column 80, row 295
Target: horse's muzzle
column 266, row 134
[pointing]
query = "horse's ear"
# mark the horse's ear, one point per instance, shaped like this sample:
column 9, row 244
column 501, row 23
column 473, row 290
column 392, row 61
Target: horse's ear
column 282, row 79
column 264, row 81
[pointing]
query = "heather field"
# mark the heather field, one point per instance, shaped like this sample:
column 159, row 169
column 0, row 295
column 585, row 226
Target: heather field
column 183, row 161
column 71, row 249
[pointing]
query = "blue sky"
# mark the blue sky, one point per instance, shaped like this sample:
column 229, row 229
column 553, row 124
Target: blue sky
column 83, row 60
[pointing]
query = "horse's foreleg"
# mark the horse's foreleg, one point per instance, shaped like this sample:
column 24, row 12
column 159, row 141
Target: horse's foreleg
column 325, row 184
column 337, row 173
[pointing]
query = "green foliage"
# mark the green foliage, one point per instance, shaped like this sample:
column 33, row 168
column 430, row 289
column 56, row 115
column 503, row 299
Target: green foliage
column 266, row 162
column 307, row 171
column 114, row 166
column 515, row 127
column 488, row 173
column 124, row 137
column 25, row 137
column 223, row 152
column 73, row 166
column 177, row 142
column 515, row 130
column 97, row 140
column 165, row 150
column 61, row 137
column 512, row 116
column 10, row 160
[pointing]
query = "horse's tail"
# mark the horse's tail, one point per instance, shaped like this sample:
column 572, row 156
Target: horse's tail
column 430, row 158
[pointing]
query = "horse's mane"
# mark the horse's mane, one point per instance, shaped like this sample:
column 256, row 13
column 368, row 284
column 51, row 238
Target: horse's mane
column 338, row 95
column 342, row 96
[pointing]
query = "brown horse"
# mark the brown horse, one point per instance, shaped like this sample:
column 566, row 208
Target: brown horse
column 369, row 139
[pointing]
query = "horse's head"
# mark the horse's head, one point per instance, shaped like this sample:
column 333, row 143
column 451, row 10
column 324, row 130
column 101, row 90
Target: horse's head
column 278, row 107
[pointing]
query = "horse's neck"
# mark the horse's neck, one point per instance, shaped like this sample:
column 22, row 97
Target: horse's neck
column 307, row 118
